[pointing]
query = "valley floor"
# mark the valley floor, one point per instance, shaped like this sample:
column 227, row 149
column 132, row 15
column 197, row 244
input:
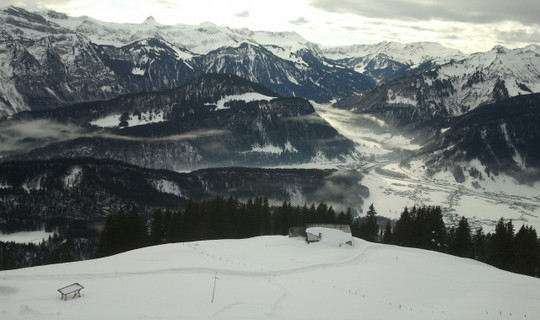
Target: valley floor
column 393, row 187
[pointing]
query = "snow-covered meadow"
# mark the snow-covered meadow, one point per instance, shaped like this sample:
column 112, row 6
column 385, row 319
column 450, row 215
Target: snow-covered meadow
column 26, row 236
column 272, row 277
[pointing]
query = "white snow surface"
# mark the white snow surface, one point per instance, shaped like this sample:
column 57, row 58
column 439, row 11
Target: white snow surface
column 24, row 237
column 167, row 186
column 330, row 237
column 272, row 277
column 73, row 178
column 246, row 97
column 146, row 117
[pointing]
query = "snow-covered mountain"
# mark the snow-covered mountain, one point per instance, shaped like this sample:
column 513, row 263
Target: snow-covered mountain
column 452, row 89
column 200, row 39
column 390, row 60
column 492, row 139
column 494, row 93
column 51, row 60
column 272, row 277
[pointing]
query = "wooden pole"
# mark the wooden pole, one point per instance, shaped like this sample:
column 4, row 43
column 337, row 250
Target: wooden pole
column 214, row 289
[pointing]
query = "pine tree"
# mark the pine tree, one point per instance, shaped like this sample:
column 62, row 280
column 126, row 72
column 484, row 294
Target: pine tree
column 435, row 229
column 479, row 245
column 403, row 231
column 122, row 232
column 501, row 246
column 387, row 237
column 527, row 251
column 157, row 232
column 461, row 242
column 369, row 230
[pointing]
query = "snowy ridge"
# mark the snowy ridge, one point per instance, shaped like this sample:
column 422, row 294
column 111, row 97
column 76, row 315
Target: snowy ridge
column 272, row 277
column 200, row 39
column 391, row 55
column 454, row 88
column 410, row 54
column 475, row 78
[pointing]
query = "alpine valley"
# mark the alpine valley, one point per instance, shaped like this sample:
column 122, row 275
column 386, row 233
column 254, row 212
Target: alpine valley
column 99, row 116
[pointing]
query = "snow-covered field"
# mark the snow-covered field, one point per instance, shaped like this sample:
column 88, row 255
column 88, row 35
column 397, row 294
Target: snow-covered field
column 393, row 187
column 25, row 237
column 272, row 277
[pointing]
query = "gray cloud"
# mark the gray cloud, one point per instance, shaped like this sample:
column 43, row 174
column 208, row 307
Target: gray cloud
column 24, row 135
column 243, row 14
column 300, row 21
column 34, row 4
column 203, row 133
column 522, row 35
column 474, row 11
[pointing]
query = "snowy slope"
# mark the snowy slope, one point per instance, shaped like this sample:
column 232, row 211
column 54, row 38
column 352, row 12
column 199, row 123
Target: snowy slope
column 271, row 277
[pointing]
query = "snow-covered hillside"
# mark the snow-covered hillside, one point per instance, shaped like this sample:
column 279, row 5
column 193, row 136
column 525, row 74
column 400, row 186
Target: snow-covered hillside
column 271, row 277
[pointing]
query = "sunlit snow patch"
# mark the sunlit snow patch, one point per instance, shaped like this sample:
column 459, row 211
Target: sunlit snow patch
column 166, row 186
column 25, row 237
column 113, row 120
column 138, row 71
column 247, row 97
column 269, row 148
column 73, row 178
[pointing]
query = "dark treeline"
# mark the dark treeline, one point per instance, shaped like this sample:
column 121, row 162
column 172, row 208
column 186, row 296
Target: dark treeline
column 217, row 218
column 71, row 241
column 424, row 228
column 228, row 218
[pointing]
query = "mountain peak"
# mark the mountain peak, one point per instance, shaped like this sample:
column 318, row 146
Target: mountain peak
column 150, row 20
column 56, row 15
column 499, row 49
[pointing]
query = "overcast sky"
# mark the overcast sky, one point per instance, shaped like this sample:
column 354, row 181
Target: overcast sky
column 468, row 25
